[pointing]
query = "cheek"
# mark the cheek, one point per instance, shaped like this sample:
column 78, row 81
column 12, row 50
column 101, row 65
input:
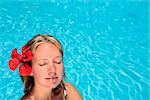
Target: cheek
column 60, row 69
column 36, row 69
column 37, row 72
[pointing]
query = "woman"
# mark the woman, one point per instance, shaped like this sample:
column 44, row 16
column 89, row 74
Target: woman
column 42, row 71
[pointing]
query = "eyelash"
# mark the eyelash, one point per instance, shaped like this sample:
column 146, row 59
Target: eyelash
column 54, row 62
column 58, row 62
column 42, row 64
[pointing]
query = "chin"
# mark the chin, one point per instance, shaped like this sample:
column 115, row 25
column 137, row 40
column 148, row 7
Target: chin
column 53, row 84
column 56, row 84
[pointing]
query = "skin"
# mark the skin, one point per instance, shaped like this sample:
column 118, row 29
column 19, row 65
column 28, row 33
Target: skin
column 72, row 92
column 47, row 70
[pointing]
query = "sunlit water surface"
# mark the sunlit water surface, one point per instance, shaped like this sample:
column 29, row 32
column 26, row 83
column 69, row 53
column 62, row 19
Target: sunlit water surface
column 105, row 44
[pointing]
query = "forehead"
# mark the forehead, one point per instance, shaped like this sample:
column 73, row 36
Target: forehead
column 47, row 49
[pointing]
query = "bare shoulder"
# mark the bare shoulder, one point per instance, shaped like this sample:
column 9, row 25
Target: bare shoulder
column 72, row 92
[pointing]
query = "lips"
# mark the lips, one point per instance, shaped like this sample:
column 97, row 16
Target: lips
column 51, row 78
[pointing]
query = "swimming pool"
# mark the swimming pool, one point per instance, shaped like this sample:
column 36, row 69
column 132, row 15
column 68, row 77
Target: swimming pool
column 105, row 44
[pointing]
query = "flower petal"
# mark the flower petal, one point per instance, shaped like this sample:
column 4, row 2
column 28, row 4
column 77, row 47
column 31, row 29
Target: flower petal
column 13, row 63
column 25, row 48
column 27, row 56
column 15, row 54
column 25, row 70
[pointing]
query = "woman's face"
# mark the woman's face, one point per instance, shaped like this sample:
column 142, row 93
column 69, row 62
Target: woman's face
column 47, row 65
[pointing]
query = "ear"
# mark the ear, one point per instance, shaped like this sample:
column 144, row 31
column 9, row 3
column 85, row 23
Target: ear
column 31, row 74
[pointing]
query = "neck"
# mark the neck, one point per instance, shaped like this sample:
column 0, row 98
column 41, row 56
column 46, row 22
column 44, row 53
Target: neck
column 41, row 93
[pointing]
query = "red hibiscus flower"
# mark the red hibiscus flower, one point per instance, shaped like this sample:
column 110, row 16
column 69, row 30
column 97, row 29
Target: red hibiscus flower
column 22, row 59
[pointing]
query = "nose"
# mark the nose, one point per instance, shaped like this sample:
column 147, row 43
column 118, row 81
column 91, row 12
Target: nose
column 51, row 69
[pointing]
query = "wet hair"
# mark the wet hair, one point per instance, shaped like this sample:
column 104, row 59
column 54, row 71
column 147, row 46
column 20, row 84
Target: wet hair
column 58, row 92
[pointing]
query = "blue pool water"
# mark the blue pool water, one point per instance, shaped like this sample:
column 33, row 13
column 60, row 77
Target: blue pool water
column 105, row 44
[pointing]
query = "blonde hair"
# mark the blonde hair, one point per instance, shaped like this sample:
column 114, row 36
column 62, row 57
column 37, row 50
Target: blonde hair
column 29, row 80
column 39, row 39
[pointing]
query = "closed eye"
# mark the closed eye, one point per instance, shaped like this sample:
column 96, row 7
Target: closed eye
column 57, row 62
column 43, row 64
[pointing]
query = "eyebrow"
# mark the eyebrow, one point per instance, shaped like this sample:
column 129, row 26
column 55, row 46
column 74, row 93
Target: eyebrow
column 57, row 56
column 43, row 59
column 47, row 59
